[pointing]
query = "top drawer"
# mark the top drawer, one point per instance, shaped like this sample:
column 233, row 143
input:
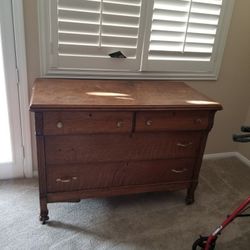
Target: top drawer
column 59, row 123
column 172, row 120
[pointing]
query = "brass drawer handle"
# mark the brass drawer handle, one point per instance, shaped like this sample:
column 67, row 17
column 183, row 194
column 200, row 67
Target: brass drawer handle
column 66, row 180
column 149, row 122
column 184, row 145
column 198, row 120
column 179, row 171
column 119, row 124
column 59, row 124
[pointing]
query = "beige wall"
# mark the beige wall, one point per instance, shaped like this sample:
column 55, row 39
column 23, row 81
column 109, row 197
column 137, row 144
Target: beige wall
column 232, row 88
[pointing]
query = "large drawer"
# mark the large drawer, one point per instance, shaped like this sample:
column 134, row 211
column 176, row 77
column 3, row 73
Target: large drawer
column 172, row 120
column 120, row 147
column 59, row 123
column 104, row 175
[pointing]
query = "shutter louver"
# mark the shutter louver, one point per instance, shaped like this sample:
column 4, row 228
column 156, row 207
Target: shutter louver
column 183, row 34
column 89, row 30
column 163, row 39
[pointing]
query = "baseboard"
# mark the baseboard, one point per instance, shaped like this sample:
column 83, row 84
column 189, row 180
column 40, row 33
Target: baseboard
column 220, row 155
column 227, row 155
column 243, row 159
column 35, row 173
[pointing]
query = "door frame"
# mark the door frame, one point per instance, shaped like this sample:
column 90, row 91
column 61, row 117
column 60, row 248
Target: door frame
column 23, row 86
column 14, row 55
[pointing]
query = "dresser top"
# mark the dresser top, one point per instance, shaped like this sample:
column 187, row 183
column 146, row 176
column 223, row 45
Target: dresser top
column 66, row 94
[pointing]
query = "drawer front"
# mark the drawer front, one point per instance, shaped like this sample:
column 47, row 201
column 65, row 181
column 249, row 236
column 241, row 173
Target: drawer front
column 92, row 176
column 172, row 120
column 120, row 147
column 152, row 172
column 59, row 123
column 76, row 177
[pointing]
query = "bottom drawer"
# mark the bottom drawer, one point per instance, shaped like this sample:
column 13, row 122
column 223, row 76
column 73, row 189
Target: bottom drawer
column 103, row 175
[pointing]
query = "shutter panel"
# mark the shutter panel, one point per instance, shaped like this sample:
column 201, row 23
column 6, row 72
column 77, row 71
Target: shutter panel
column 183, row 35
column 85, row 32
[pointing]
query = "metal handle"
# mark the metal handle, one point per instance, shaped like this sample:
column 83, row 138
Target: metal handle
column 184, row 145
column 179, row 171
column 198, row 120
column 66, row 180
column 149, row 122
column 59, row 124
column 119, row 124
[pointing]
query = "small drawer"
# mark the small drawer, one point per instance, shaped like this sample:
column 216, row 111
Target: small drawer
column 172, row 120
column 59, row 123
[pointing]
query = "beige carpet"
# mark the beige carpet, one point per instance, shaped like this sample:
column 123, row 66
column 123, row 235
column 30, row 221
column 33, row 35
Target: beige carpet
column 147, row 221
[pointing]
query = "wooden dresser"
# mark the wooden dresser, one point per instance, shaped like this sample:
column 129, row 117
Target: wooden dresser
column 108, row 137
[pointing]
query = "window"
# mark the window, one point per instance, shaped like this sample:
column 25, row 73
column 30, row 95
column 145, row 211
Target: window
column 173, row 39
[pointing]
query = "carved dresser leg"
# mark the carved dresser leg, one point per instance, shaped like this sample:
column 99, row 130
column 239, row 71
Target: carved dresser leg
column 43, row 211
column 190, row 194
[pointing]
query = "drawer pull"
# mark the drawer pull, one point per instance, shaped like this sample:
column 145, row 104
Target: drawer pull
column 149, row 122
column 198, row 120
column 179, row 171
column 184, row 145
column 119, row 124
column 59, row 124
column 66, row 180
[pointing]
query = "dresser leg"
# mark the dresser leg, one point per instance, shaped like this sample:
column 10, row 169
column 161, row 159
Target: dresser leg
column 43, row 211
column 190, row 194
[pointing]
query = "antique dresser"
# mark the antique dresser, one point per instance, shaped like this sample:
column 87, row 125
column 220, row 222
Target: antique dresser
column 114, row 137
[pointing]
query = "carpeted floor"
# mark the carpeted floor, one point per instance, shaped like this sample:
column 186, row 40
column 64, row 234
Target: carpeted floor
column 146, row 221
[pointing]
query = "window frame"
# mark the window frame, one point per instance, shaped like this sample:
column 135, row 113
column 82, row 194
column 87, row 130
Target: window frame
column 45, row 46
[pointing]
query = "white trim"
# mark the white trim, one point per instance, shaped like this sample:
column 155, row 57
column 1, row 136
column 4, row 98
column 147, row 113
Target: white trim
column 127, row 75
column 7, row 171
column 9, row 57
column 47, row 71
column 35, row 173
column 227, row 155
column 18, row 22
column 226, row 19
column 43, row 33
column 243, row 158
column 219, row 155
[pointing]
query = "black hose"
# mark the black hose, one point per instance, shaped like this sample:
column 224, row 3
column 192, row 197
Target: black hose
column 241, row 138
column 245, row 129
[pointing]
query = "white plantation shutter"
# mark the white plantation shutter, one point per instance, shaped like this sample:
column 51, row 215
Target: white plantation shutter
column 183, row 35
column 85, row 32
column 177, row 39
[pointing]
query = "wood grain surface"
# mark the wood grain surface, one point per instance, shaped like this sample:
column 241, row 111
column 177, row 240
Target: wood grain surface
column 114, row 137
column 101, row 175
column 171, row 120
column 115, row 94
column 108, row 148
column 87, row 122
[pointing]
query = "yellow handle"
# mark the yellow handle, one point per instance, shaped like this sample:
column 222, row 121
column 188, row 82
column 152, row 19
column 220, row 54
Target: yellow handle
column 179, row 171
column 149, row 122
column 184, row 145
column 59, row 124
column 66, row 180
column 119, row 124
